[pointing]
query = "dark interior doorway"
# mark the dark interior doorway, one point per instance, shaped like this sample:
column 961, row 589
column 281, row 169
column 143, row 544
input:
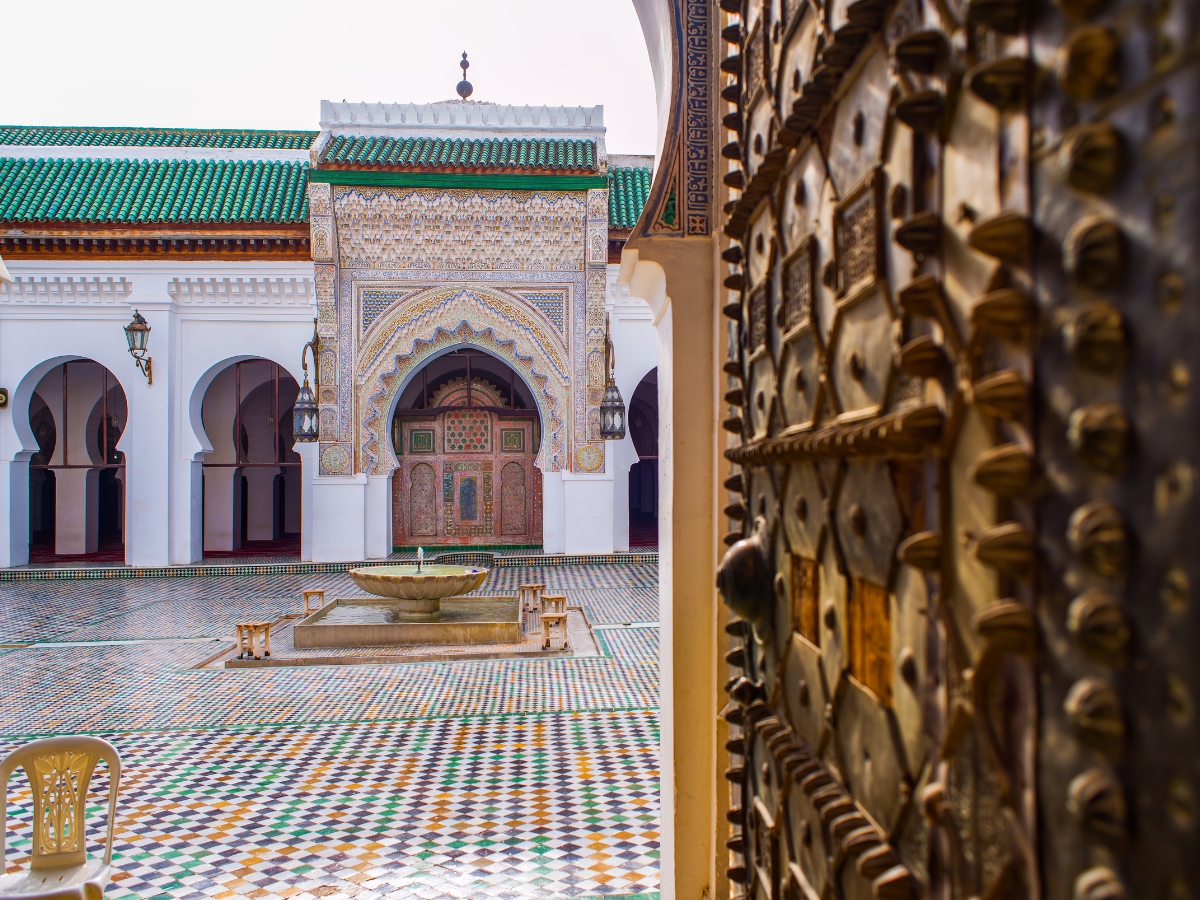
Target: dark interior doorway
column 77, row 414
column 251, row 484
column 643, row 475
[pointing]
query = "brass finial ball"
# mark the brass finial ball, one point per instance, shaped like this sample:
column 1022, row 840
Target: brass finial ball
column 464, row 86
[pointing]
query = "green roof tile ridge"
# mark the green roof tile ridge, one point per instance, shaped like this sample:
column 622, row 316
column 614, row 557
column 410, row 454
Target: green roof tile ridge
column 143, row 191
column 467, row 153
column 207, row 138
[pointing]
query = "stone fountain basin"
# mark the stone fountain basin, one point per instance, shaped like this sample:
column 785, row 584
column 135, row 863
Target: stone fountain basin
column 431, row 583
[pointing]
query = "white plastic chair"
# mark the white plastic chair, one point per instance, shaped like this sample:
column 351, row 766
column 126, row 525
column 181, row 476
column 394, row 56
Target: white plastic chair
column 60, row 771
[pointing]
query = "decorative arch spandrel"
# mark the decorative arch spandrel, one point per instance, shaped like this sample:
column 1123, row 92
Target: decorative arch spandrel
column 431, row 323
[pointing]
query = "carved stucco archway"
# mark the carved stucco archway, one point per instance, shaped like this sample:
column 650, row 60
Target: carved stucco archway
column 433, row 322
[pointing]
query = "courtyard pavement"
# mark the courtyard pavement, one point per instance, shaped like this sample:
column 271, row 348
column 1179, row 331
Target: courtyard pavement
column 492, row 778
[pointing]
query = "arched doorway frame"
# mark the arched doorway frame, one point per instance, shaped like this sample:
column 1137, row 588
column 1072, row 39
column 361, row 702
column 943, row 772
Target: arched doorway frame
column 258, row 413
column 480, row 314
column 410, row 379
column 20, row 401
column 195, row 445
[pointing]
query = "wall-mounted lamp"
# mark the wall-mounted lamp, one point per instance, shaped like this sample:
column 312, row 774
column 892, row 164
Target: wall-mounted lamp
column 612, row 407
column 305, row 427
column 136, row 333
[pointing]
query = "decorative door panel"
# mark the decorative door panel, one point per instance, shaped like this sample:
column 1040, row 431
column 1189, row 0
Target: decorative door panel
column 961, row 277
column 466, row 476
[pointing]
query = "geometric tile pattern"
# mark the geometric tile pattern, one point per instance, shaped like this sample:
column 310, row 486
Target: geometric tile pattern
column 464, row 808
column 490, row 778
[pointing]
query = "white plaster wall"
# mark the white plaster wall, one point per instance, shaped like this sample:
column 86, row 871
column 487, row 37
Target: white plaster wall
column 636, row 347
column 588, row 500
column 378, row 517
column 554, row 517
column 203, row 316
column 339, row 510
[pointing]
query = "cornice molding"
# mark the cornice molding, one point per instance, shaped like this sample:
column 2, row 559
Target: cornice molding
column 242, row 291
column 68, row 291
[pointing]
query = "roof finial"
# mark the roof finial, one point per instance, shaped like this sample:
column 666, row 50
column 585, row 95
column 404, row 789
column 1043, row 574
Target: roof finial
column 464, row 86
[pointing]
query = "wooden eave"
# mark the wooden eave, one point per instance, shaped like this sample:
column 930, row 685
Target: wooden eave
column 87, row 240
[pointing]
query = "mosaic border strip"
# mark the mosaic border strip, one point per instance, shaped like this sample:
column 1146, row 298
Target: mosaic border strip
column 502, row 562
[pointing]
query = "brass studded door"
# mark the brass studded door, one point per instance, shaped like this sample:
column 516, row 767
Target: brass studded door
column 962, row 292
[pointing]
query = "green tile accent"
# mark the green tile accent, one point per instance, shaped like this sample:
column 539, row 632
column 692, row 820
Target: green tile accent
column 478, row 155
column 159, row 191
column 228, row 191
column 224, row 138
column 627, row 193
column 458, row 180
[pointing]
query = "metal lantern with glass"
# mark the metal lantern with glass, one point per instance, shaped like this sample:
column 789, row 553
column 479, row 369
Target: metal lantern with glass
column 136, row 333
column 612, row 407
column 304, row 413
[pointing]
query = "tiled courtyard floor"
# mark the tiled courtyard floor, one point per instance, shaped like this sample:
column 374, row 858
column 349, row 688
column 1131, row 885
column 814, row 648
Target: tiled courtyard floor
column 492, row 778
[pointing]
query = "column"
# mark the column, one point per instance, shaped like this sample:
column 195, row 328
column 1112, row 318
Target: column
column 76, row 511
column 148, row 439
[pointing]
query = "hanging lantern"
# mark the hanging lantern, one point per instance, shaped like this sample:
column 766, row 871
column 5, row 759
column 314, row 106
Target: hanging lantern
column 305, row 427
column 304, row 415
column 136, row 333
column 612, row 414
column 612, row 407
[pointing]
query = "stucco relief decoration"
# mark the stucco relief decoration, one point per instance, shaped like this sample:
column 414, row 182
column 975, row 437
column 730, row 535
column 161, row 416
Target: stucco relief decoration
column 325, row 278
column 595, row 370
column 598, row 249
column 329, row 366
column 328, row 421
column 440, row 319
column 589, row 357
column 398, row 228
column 320, row 199
column 597, row 227
column 598, row 204
column 320, row 208
column 321, row 248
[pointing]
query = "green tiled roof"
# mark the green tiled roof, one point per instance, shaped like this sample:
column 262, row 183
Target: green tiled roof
column 627, row 193
column 474, row 155
column 143, row 191
column 36, row 136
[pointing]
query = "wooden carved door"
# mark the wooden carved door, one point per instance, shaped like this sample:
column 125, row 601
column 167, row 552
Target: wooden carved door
column 467, row 476
column 964, row 442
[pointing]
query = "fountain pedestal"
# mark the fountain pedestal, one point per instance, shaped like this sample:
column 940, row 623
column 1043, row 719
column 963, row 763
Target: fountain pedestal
column 412, row 605
column 420, row 589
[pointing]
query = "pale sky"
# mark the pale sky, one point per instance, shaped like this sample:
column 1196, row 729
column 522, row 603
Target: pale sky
column 268, row 64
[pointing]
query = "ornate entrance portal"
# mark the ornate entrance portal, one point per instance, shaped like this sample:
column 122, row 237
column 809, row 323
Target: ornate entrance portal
column 466, row 437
